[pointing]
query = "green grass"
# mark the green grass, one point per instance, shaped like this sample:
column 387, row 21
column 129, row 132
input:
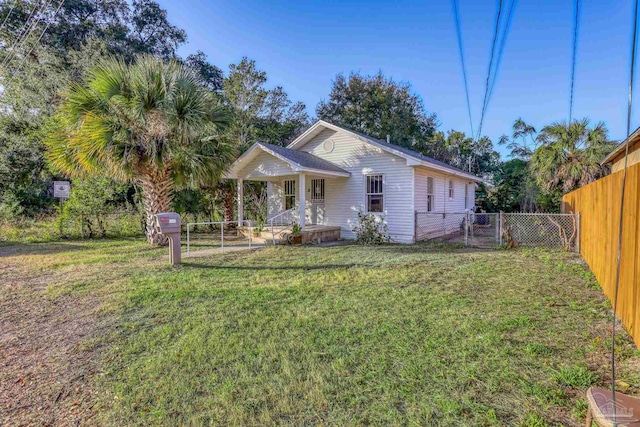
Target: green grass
column 334, row 336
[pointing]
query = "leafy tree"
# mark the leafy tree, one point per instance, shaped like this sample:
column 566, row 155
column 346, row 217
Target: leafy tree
column 461, row 151
column 379, row 106
column 151, row 31
column 259, row 114
column 35, row 71
column 523, row 140
column 150, row 122
column 569, row 155
column 91, row 200
column 211, row 75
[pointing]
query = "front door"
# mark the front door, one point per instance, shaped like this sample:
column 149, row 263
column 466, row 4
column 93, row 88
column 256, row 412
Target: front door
column 317, row 201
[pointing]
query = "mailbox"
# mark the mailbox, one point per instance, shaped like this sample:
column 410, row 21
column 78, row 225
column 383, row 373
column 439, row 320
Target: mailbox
column 169, row 224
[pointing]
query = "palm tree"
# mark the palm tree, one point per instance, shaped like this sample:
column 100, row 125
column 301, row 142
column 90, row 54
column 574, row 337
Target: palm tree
column 569, row 155
column 150, row 122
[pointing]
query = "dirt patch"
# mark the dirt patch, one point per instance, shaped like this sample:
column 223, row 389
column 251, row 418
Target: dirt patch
column 45, row 362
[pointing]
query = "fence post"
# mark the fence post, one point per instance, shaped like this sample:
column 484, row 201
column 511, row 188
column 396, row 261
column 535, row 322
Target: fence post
column 466, row 229
column 188, row 241
column 222, row 236
column 501, row 221
column 578, row 232
column 415, row 226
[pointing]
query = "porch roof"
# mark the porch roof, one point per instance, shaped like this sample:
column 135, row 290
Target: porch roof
column 300, row 161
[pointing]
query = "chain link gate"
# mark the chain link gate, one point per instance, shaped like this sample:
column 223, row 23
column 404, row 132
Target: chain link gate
column 493, row 229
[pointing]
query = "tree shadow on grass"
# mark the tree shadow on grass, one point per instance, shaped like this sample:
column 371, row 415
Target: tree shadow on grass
column 280, row 267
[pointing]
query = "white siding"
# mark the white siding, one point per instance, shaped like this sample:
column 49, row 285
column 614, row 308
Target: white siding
column 442, row 203
column 344, row 197
column 441, row 192
column 264, row 165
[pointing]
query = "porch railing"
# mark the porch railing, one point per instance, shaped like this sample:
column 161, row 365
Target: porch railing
column 284, row 219
column 222, row 224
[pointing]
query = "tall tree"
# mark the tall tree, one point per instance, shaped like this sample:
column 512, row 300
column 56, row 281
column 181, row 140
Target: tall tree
column 151, row 122
column 259, row 114
column 379, row 106
column 459, row 150
column 523, row 140
column 569, row 155
column 212, row 77
column 35, row 70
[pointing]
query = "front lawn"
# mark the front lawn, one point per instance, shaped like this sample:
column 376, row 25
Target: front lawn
column 325, row 336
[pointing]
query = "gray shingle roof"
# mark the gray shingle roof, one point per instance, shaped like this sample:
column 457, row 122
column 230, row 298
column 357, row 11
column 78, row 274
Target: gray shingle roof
column 303, row 158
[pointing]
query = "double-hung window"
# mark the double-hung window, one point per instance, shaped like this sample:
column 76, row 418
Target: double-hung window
column 451, row 189
column 430, row 195
column 374, row 193
column 289, row 194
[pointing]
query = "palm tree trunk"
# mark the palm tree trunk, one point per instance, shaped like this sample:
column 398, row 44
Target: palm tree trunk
column 157, row 193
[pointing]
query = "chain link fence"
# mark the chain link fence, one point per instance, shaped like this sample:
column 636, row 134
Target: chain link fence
column 541, row 230
column 494, row 229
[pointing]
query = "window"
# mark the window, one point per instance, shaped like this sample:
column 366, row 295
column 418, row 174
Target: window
column 466, row 196
column 451, row 189
column 375, row 196
column 430, row 195
column 289, row 194
column 317, row 189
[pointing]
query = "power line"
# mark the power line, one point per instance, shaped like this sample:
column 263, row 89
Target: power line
column 621, row 222
column 490, row 69
column 37, row 42
column 8, row 14
column 24, row 34
column 576, row 25
column 456, row 15
column 503, row 42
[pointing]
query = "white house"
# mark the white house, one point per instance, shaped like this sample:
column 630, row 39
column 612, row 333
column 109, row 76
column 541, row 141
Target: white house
column 329, row 173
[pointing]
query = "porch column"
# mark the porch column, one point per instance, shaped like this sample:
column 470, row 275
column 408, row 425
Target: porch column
column 303, row 203
column 240, row 202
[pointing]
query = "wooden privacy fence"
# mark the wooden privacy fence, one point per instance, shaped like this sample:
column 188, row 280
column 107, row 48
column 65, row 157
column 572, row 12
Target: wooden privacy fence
column 599, row 206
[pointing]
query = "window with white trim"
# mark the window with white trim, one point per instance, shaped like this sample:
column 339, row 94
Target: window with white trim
column 430, row 195
column 317, row 189
column 289, row 194
column 451, row 189
column 374, row 193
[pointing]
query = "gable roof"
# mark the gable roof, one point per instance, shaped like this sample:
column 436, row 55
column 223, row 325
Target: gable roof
column 303, row 158
column 633, row 139
column 413, row 157
column 300, row 161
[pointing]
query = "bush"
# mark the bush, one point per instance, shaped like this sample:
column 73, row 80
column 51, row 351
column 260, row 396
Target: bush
column 90, row 202
column 371, row 230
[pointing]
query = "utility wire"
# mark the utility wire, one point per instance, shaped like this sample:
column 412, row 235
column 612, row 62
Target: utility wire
column 456, row 15
column 490, row 69
column 8, row 14
column 576, row 26
column 621, row 222
column 503, row 42
column 24, row 34
column 36, row 43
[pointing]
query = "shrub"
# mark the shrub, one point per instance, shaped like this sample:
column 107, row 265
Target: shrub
column 90, row 201
column 371, row 230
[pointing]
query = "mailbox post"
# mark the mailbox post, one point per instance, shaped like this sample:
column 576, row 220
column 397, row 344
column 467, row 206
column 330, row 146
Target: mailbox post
column 169, row 224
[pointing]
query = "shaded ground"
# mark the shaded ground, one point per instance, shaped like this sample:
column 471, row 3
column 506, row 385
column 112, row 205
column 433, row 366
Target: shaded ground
column 108, row 333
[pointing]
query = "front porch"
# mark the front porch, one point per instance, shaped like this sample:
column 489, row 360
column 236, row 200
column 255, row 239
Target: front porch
column 280, row 234
column 296, row 184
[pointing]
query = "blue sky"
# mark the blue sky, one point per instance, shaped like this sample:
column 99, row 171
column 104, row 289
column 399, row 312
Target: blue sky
column 303, row 45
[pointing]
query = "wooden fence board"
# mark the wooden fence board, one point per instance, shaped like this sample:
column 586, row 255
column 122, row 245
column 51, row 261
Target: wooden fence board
column 599, row 204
